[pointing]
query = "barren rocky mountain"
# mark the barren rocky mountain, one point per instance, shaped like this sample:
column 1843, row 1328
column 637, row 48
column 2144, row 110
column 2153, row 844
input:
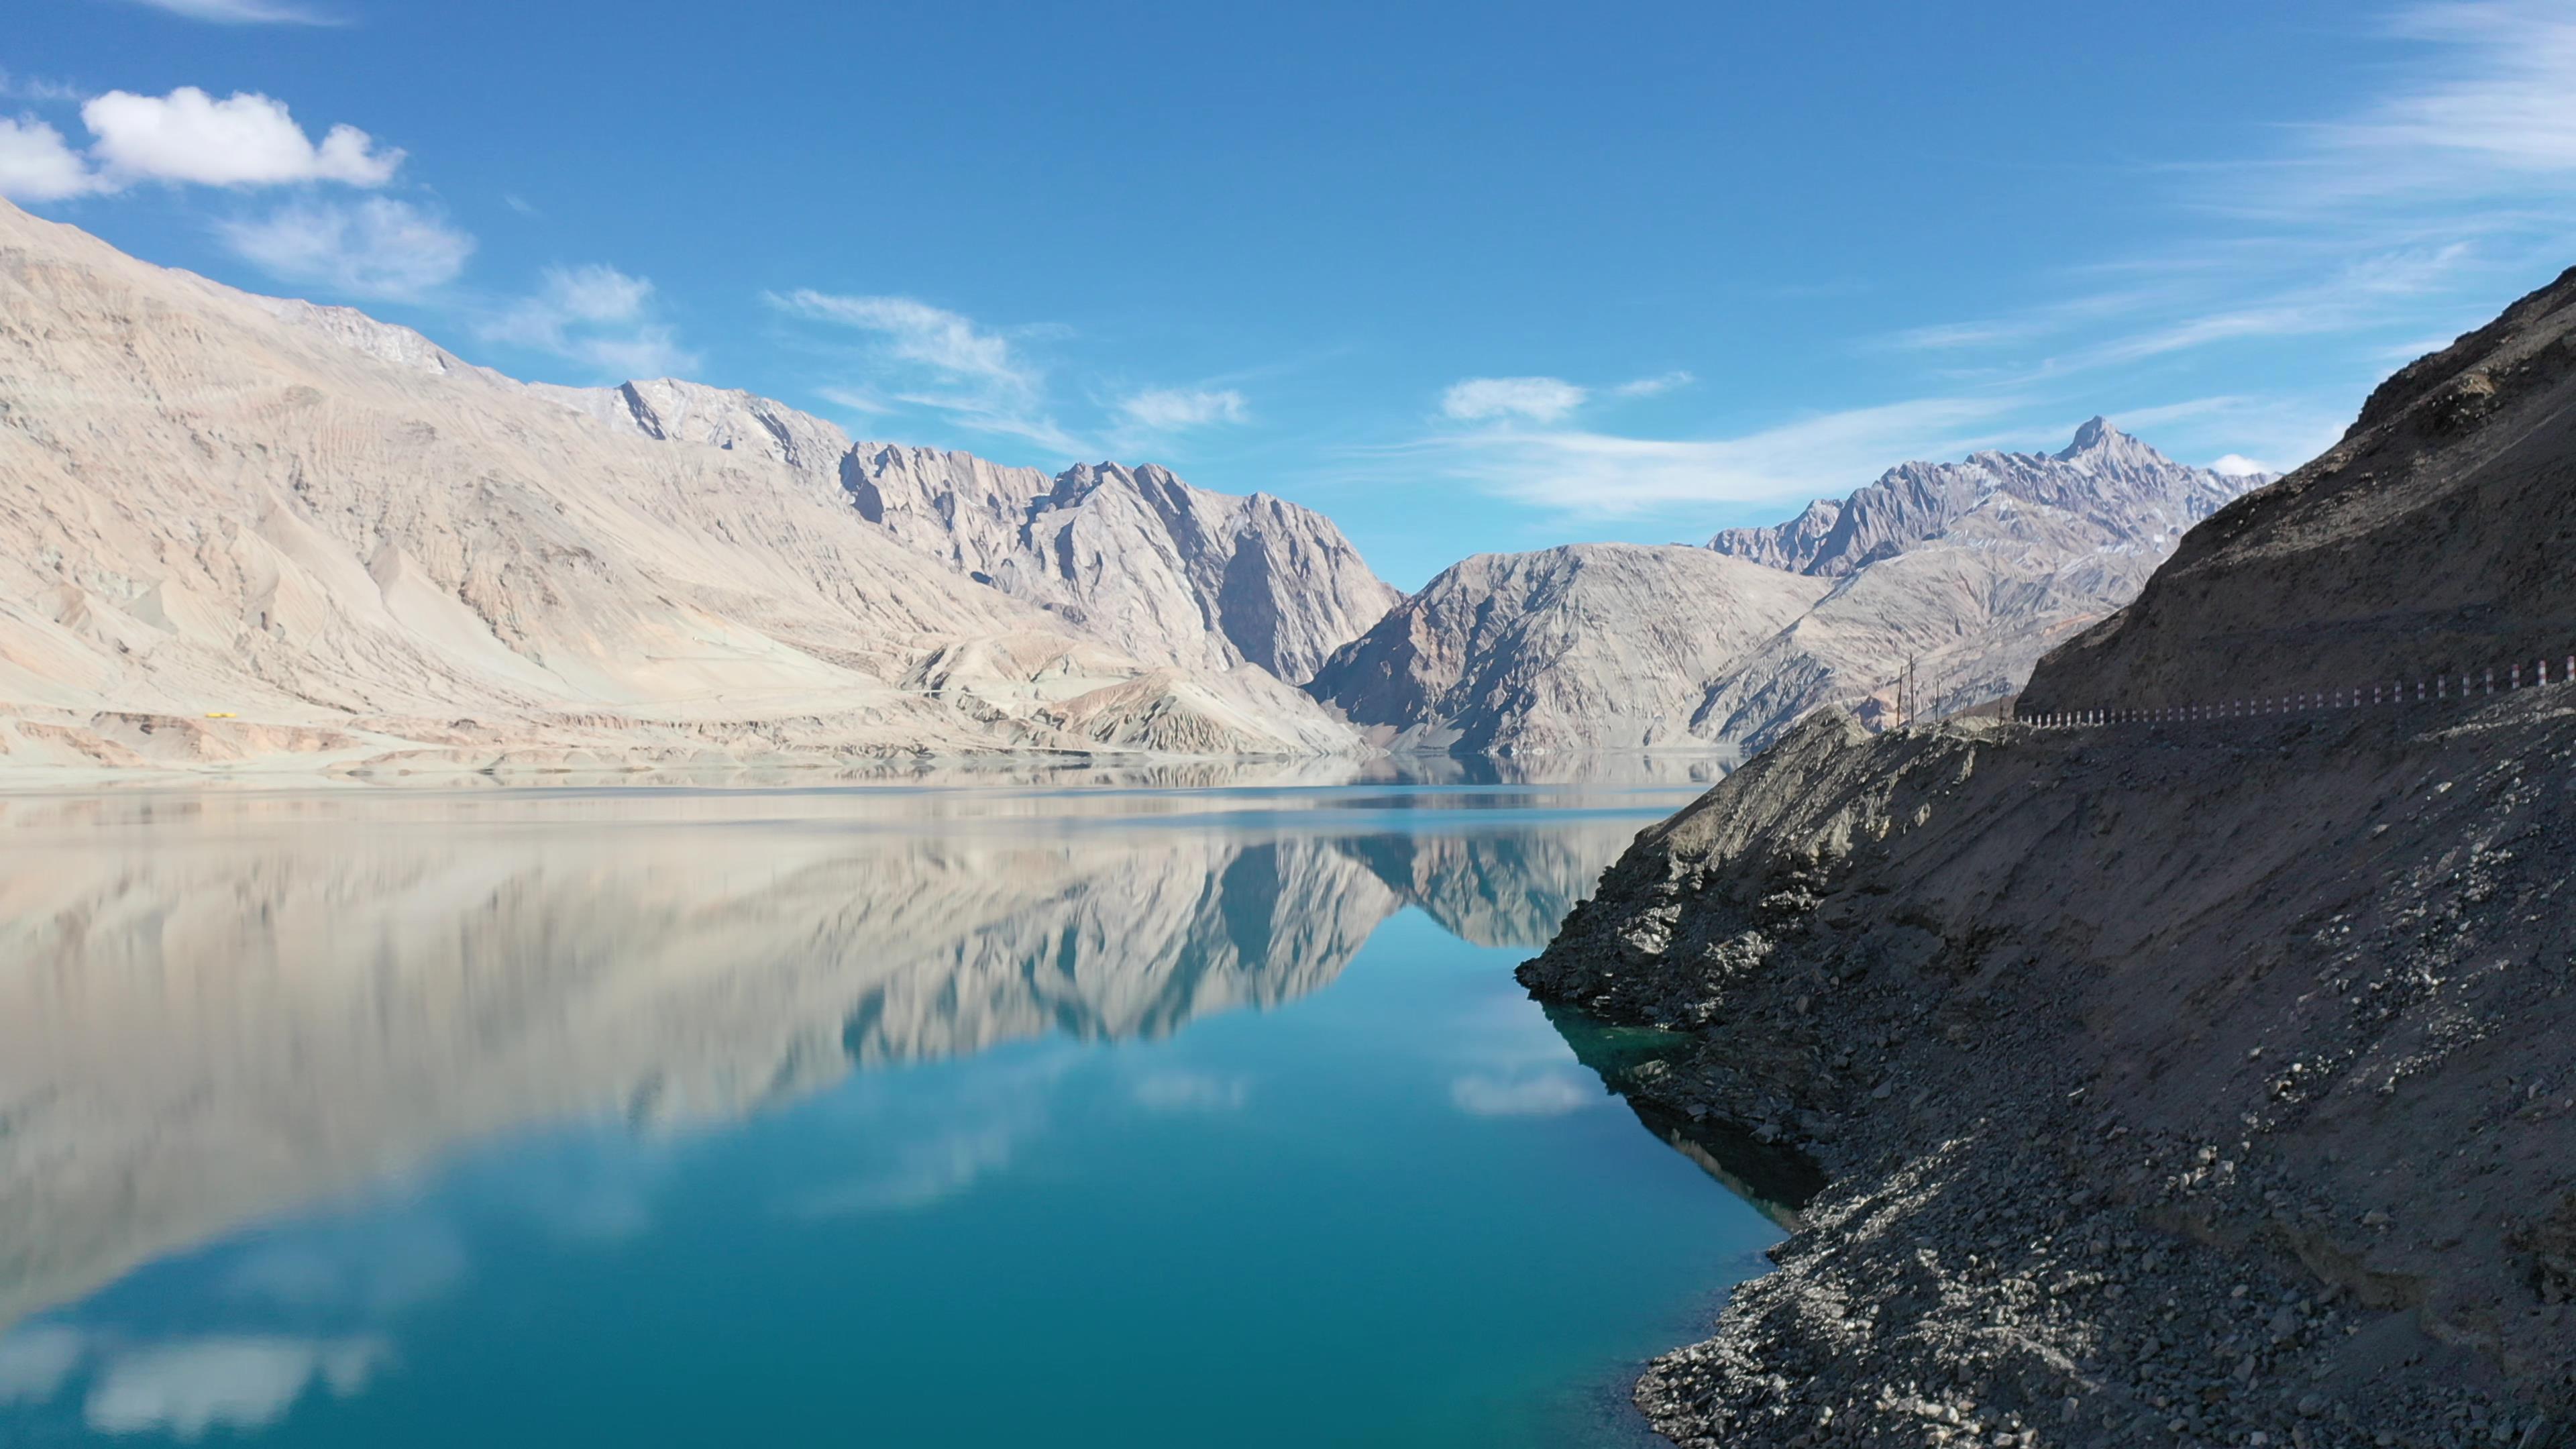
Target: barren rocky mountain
column 1589, row 646
column 244, row 529
column 2434, row 539
column 1968, row 571
column 1131, row 556
column 2170, row 1082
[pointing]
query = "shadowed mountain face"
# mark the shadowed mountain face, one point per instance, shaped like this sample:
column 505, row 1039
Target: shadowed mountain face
column 213, row 1008
column 2433, row 539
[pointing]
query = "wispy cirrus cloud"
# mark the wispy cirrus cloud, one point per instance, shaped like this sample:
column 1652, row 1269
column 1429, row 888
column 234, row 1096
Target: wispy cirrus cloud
column 1170, row 409
column 926, row 358
column 243, row 12
column 595, row 315
column 1539, row 399
column 1542, row 399
column 2486, row 109
column 929, row 357
column 376, row 248
column 1604, row 475
column 1550, row 1092
column 2360, row 240
column 1655, row 386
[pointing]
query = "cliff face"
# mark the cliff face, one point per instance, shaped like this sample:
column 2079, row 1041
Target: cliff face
column 1585, row 647
column 1132, row 557
column 2172, row 1081
column 239, row 528
column 1135, row 556
column 2434, row 538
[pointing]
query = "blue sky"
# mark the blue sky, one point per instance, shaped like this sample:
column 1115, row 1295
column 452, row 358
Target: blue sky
column 1466, row 277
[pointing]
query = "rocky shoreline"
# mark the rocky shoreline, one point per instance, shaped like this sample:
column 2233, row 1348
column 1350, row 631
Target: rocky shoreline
column 2258, row 1136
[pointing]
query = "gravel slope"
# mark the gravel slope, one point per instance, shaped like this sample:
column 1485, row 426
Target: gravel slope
column 2201, row 1084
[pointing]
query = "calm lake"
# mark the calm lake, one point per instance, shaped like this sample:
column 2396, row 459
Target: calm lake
column 999, row 1114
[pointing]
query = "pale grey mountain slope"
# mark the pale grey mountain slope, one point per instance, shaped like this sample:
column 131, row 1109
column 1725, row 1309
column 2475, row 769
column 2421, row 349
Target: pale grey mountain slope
column 1966, row 571
column 1600, row 646
column 1134, row 557
column 252, row 533
column 2103, row 490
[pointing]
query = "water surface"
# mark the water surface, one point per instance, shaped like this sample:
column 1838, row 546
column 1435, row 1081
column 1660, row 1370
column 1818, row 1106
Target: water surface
column 1112, row 1116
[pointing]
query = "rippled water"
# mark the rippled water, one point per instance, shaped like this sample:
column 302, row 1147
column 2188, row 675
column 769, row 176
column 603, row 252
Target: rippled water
column 994, row 1115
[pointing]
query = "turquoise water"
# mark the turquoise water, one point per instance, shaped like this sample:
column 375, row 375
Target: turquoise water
column 1129, row 1118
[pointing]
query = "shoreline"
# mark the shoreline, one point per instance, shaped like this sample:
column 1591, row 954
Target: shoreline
column 2184, row 1149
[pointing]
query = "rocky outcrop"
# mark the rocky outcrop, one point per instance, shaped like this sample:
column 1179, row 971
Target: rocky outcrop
column 1132, row 557
column 1963, row 572
column 1605, row 646
column 2434, row 539
column 1135, row 556
column 2170, row 1082
column 259, row 521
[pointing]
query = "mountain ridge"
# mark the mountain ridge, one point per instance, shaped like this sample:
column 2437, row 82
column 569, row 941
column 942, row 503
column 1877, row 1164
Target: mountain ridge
column 248, row 530
column 1971, row 570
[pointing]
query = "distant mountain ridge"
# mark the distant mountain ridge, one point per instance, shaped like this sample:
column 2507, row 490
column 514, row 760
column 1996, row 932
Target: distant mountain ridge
column 1969, row 571
column 243, row 531
column 1165, row 571
column 2105, row 488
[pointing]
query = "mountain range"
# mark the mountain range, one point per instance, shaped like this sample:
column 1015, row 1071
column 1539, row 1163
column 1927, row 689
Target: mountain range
column 251, row 533
column 1968, row 572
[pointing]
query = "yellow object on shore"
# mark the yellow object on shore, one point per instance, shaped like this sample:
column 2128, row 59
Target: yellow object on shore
column 221, row 714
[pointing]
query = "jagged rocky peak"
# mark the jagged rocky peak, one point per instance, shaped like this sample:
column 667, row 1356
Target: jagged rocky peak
column 1134, row 555
column 1968, row 570
column 1170, row 573
column 2105, row 484
column 669, row 409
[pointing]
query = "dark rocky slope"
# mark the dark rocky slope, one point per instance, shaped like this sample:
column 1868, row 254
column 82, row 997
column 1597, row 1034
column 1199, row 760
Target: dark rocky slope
column 2438, row 536
column 2173, row 1084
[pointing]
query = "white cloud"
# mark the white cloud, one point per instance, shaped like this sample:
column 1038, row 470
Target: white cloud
column 1548, row 1093
column 1601, row 474
column 943, row 341
column 1166, row 410
column 933, row 358
column 1655, row 386
column 1179, row 1090
column 36, row 164
column 35, row 1360
column 2237, row 465
column 924, row 1173
column 375, row 248
column 242, row 12
column 1539, row 399
column 595, row 315
column 245, row 140
column 242, row 1383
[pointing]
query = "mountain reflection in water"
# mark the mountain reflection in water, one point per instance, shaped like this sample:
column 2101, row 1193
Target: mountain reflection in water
column 217, row 1007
